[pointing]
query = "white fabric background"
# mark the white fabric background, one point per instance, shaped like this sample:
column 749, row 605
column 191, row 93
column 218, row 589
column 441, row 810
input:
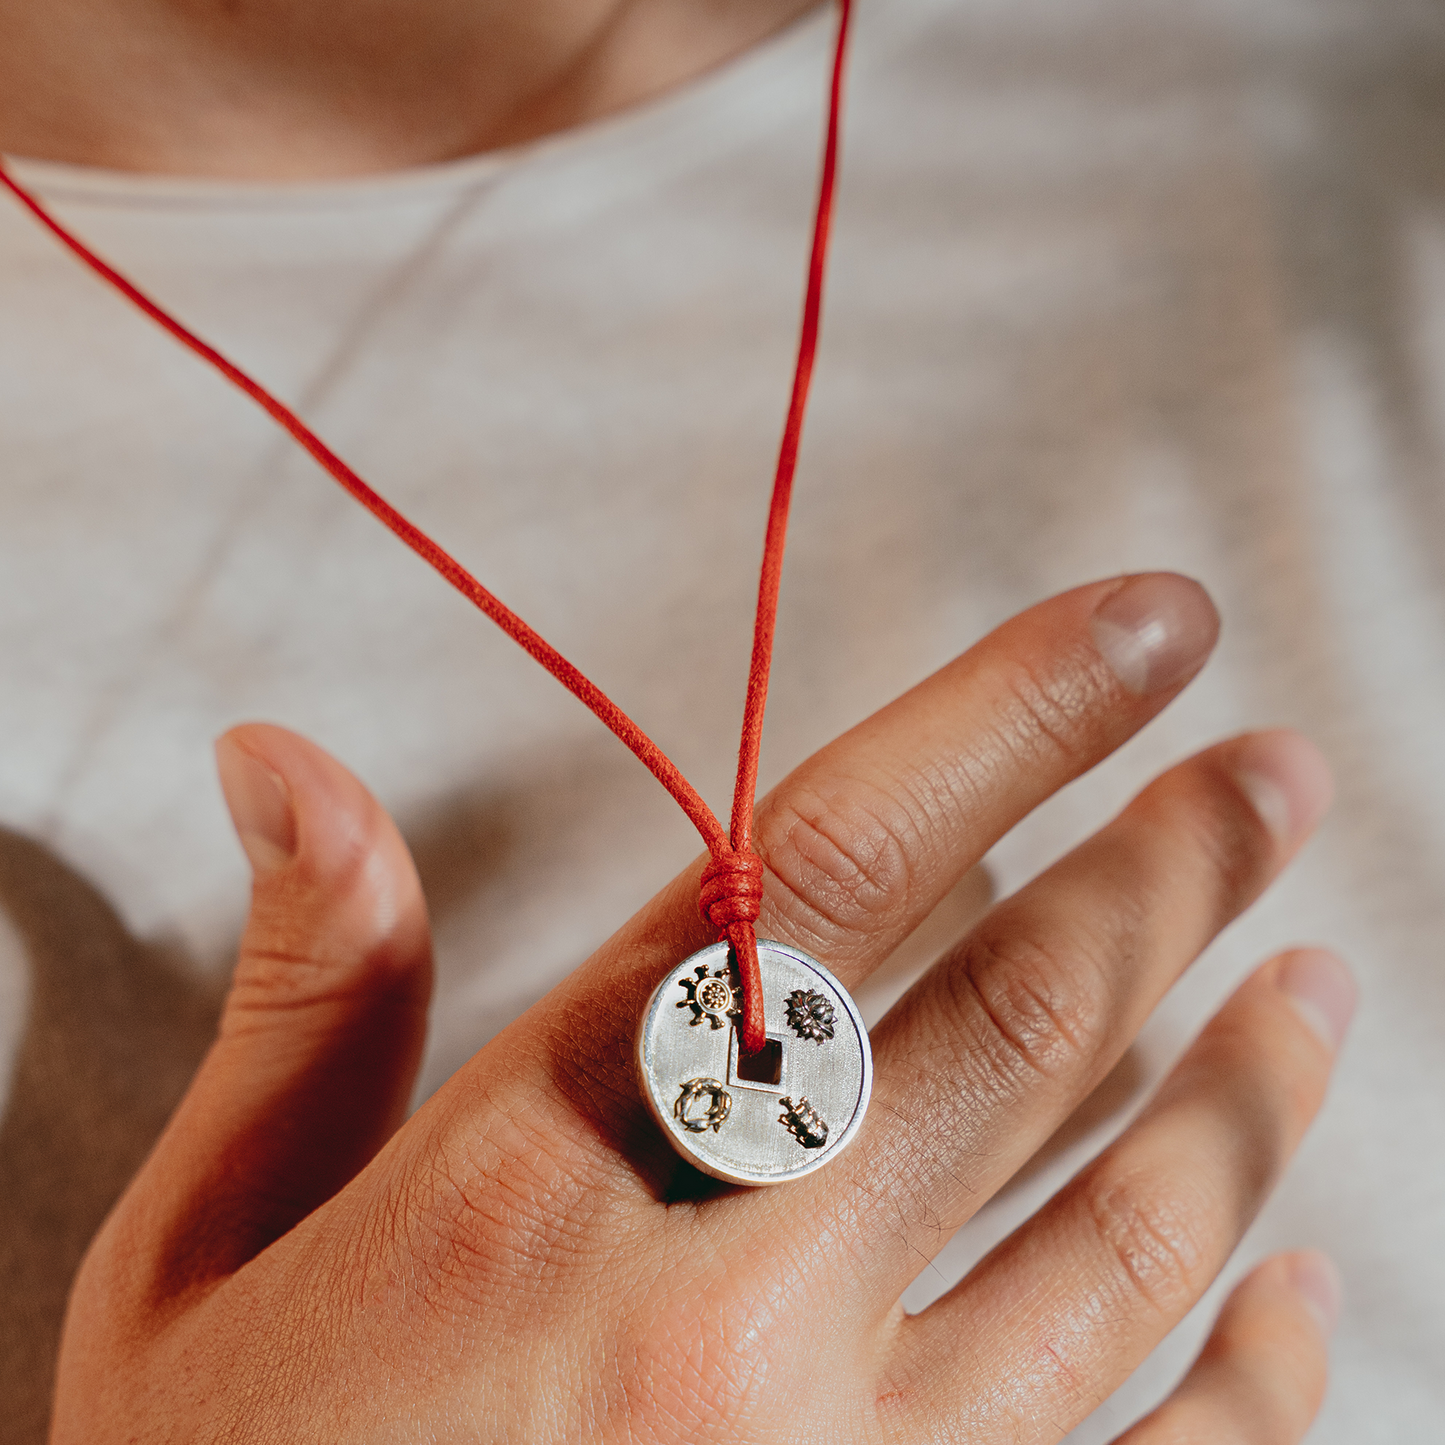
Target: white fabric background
column 1118, row 286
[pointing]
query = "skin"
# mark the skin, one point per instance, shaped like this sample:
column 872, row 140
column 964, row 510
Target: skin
column 278, row 90
column 526, row 1259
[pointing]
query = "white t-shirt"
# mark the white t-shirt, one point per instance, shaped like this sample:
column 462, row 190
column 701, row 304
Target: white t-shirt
column 1117, row 286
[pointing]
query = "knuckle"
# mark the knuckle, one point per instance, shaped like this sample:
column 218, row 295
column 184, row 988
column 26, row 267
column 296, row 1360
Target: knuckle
column 275, row 981
column 850, row 851
column 310, row 990
column 1045, row 715
column 1037, row 998
column 315, row 942
column 1152, row 1239
column 847, row 856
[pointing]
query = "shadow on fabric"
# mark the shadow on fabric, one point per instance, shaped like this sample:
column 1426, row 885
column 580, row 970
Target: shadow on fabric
column 115, row 1030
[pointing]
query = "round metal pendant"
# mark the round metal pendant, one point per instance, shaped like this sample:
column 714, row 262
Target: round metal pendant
column 777, row 1116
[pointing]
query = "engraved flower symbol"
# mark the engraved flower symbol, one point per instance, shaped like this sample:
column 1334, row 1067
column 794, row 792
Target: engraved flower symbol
column 810, row 1015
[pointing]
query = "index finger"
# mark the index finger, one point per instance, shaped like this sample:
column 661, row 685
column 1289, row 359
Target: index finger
column 865, row 838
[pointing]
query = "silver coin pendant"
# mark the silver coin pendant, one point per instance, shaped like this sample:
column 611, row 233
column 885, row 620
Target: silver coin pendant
column 779, row 1115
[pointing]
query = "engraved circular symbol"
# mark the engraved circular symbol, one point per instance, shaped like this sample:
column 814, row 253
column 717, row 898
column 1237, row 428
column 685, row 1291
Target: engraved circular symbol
column 714, row 996
column 810, row 1015
column 778, row 1115
column 703, row 1104
column 709, row 996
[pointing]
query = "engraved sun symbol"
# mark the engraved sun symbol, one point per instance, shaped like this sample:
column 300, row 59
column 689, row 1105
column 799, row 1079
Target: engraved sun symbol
column 709, row 996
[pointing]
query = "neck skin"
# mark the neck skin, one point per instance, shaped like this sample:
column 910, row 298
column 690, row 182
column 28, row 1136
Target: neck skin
column 310, row 89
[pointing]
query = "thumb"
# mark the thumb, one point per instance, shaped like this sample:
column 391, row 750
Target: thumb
column 323, row 1029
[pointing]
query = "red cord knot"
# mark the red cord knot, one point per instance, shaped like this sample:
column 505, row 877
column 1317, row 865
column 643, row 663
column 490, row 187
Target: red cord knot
column 732, row 890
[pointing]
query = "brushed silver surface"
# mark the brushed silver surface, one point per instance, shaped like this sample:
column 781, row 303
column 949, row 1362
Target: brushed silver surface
column 738, row 1129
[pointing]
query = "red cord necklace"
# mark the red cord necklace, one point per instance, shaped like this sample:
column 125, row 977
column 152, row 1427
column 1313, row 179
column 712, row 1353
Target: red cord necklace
column 732, row 888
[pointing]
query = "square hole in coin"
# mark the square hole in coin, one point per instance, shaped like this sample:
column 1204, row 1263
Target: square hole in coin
column 763, row 1067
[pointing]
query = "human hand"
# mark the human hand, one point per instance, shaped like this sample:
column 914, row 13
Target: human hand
column 526, row 1259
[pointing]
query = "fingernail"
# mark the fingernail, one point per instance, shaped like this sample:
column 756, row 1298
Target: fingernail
column 260, row 805
column 1322, row 992
column 1286, row 778
column 1315, row 1277
column 1155, row 631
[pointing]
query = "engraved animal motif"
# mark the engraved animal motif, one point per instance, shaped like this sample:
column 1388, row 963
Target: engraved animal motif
column 709, row 996
column 810, row 1015
column 804, row 1123
column 703, row 1104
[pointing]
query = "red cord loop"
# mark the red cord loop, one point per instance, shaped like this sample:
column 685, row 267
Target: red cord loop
column 732, row 890
column 731, row 897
